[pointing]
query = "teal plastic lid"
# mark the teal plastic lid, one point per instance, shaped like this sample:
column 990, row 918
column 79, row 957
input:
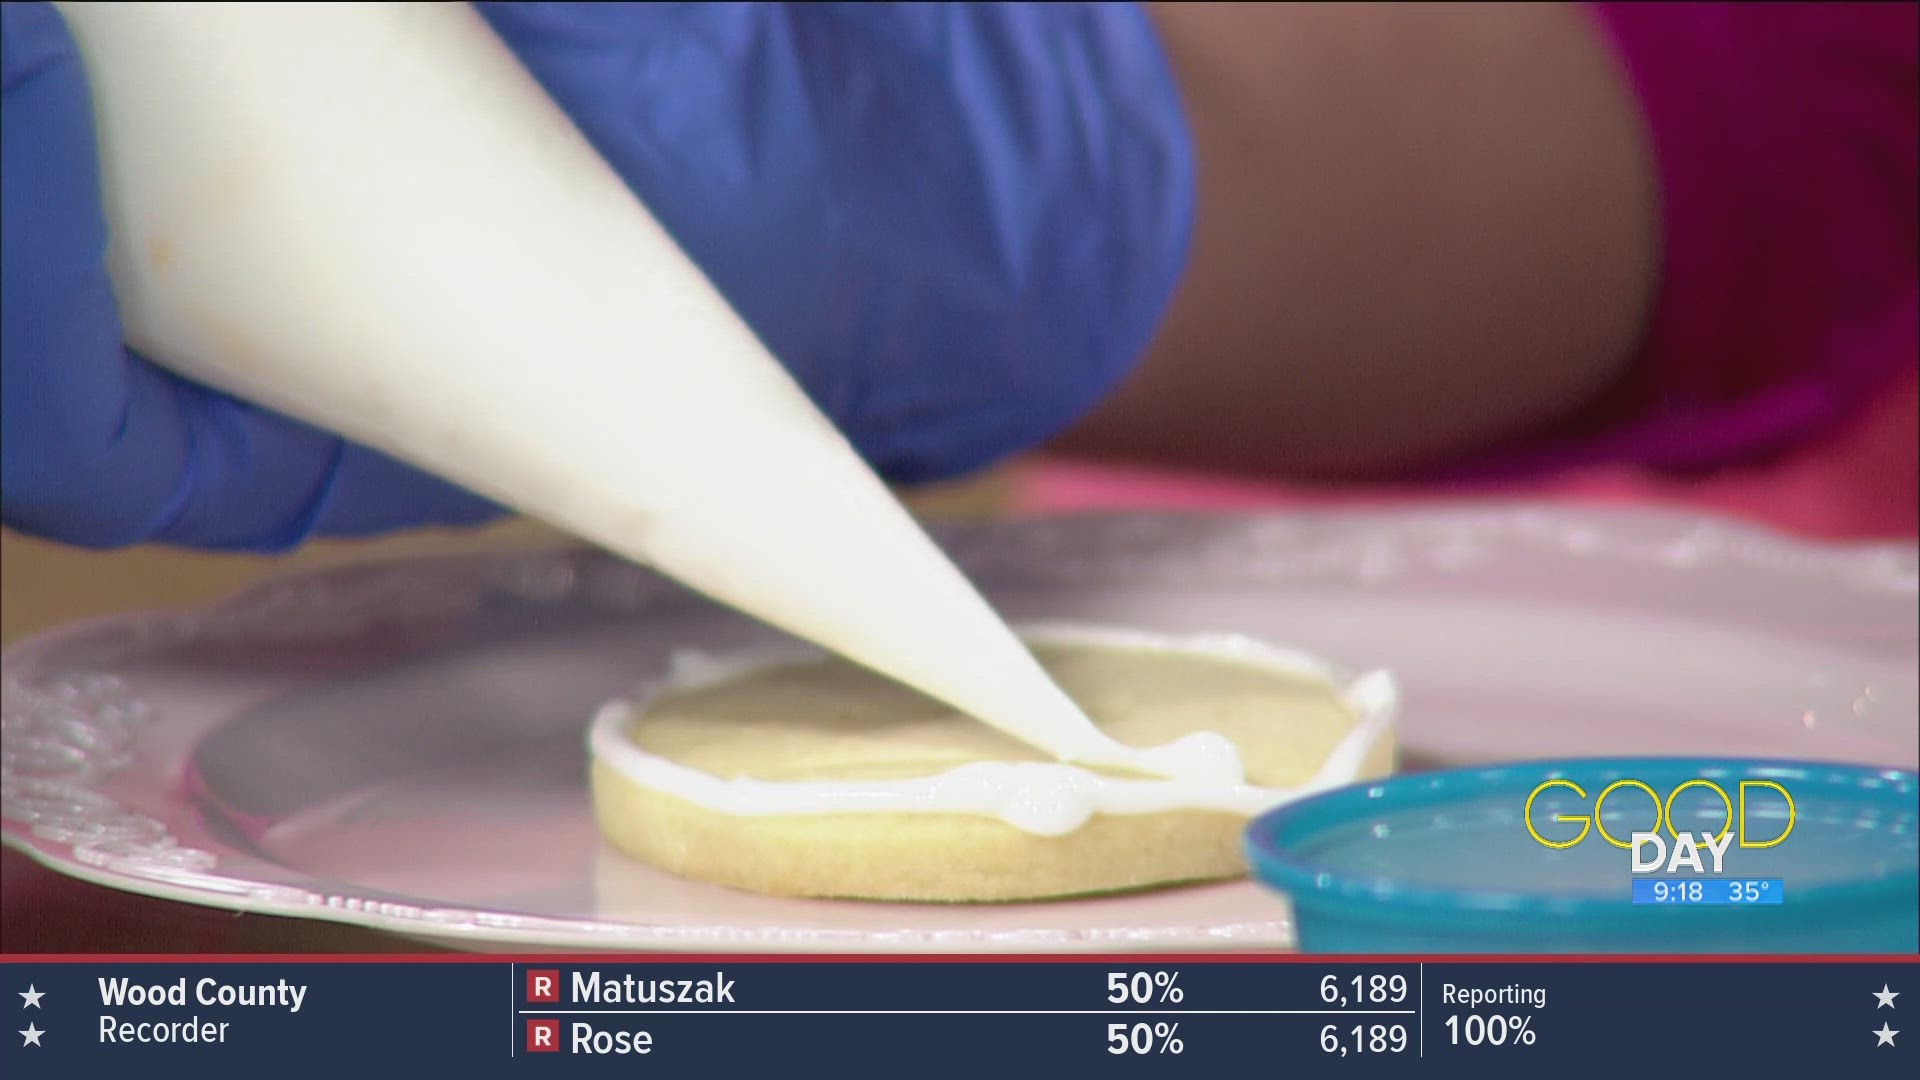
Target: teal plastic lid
column 1820, row 858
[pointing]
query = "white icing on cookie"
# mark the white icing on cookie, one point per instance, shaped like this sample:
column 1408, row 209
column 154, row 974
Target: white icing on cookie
column 1044, row 798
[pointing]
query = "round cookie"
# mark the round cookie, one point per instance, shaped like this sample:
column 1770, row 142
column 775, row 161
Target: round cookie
column 828, row 720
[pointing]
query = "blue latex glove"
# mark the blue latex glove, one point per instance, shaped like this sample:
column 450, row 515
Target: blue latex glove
column 956, row 224
column 99, row 447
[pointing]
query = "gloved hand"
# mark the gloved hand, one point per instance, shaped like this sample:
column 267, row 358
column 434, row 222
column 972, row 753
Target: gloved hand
column 956, row 225
column 99, row 447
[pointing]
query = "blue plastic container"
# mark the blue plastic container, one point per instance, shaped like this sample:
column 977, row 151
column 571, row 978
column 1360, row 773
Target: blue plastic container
column 1444, row 862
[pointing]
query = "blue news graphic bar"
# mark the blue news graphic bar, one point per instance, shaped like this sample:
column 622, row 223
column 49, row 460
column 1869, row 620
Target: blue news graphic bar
column 1730, row 892
column 1191, row 1015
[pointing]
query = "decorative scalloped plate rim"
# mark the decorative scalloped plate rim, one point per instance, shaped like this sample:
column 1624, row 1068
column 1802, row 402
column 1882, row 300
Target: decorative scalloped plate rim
column 108, row 845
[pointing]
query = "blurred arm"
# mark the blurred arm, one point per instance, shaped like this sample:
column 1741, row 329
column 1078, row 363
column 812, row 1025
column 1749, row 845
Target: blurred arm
column 1422, row 230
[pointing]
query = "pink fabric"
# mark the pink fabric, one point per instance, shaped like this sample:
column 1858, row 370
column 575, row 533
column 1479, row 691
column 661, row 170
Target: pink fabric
column 1784, row 138
column 1777, row 378
column 1855, row 484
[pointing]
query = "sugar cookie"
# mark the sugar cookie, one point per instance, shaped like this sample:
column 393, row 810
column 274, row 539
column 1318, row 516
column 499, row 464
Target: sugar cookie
column 813, row 777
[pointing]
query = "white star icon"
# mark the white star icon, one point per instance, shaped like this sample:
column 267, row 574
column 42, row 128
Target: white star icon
column 31, row 997
column 1886, row 994
column 1885, row 1035
column 31, row 1036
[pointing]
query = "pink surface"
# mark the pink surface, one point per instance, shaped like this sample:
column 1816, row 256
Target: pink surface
column 1855, row 482
column 1777, row 382
column 1784, row 137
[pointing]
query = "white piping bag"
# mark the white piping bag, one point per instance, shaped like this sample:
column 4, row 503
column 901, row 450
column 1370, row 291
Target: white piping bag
column 371, row 217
